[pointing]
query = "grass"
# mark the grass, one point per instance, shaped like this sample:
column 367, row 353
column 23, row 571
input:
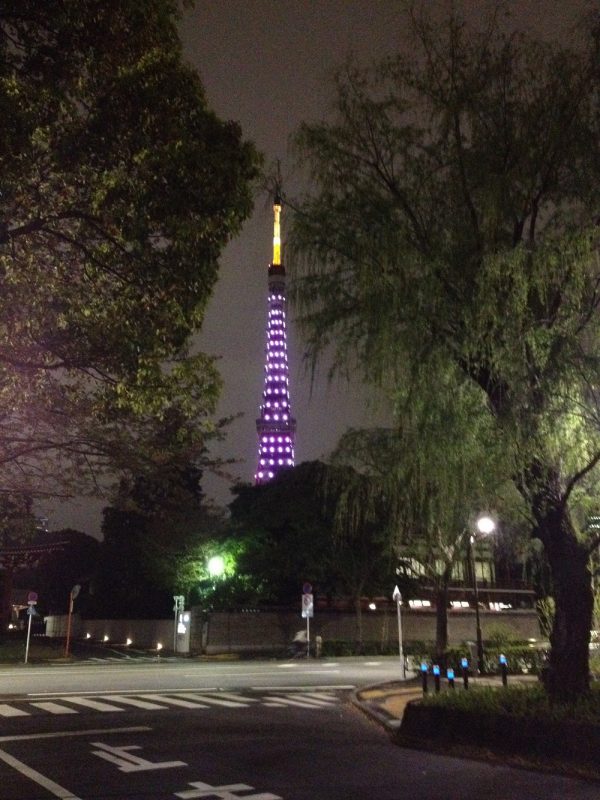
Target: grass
column 519, row 701
column 12, row 650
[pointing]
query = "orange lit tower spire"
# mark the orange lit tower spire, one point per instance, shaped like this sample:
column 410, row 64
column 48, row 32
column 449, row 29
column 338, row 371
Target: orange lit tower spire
column 276, row 427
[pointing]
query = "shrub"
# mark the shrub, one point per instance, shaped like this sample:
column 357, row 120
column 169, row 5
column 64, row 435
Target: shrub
column 519, row 701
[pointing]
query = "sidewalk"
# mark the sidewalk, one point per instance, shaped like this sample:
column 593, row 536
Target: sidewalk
column 386, row 702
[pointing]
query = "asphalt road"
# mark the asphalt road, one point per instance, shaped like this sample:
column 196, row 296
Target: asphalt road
column 190, row 674
column 286, row 742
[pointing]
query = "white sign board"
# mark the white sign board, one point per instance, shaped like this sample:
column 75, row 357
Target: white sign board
column 307, row 606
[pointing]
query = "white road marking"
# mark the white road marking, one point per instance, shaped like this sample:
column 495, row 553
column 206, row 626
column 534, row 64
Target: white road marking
column 296, row 700
column 95, row 704
column 173, row 701
column 134, row 701
column 97, row 693
column 10, row 711
column 65, row 734
column 215, row 701
column 127, row 762
column 302, row 688
column 37, row 777
column 330, row 698
column 55, row 708
column 230, row 696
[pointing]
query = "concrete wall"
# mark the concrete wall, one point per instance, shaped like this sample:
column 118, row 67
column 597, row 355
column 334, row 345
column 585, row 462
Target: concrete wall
column 264, row 631
column 222, row 631
column 144, row 633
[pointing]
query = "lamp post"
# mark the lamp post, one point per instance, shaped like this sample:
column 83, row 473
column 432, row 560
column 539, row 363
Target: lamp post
column 397, row 596
column 485, row 525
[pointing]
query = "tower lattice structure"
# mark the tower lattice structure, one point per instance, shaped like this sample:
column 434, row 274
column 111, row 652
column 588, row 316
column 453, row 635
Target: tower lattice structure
column 276, row 427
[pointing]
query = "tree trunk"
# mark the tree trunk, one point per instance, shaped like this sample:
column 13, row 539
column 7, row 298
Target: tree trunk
column 359, row 630
column 7, row 588
column 567, row 676
column 441, row 623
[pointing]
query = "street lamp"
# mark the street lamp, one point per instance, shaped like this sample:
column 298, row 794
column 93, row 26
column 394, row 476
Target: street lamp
column 485, row 525
column 216, row 566
column 397, row 596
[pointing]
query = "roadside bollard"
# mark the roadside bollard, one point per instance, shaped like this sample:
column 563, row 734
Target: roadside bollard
column 464, row 665
column 436, row 677
column 450, row 676
column 424, row 670
column 504, row 669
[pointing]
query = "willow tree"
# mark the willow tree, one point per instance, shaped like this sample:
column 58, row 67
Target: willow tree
column 119, row 188
column 453, row 220
column 439, row 467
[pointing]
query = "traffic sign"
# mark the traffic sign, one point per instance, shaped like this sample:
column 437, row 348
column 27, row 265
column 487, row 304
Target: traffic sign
column 307, row 606
column 31, row 612
column 32, row 598
column 306, row 588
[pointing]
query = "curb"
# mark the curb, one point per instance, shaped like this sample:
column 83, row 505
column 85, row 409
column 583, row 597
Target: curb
column 373, row 708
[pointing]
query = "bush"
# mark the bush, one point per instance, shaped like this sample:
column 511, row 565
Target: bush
column 519, row 701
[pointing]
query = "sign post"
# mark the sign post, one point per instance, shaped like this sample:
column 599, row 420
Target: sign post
column 31, row 601
column 72, row 595
column 307, row 612
column 179, row 600
column 397, row 596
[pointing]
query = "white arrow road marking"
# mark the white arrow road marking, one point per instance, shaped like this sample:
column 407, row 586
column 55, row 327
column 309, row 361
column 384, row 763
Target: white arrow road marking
column 127, row 762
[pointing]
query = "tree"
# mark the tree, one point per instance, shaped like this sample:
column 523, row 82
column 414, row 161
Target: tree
column 453, row 223
column 17, row 531
column 284, row 536
column 315, row 522
column 441, row 463
column 155, row 539
column 119, row 189
column 71, row 561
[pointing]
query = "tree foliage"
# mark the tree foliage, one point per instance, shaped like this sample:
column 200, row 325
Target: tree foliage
column 452, row 227
column 156, row 538
column 118, row 190
column 315, row 522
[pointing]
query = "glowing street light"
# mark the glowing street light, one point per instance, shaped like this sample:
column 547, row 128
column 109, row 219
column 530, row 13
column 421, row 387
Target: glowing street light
column 485, row 525
column 216, row 566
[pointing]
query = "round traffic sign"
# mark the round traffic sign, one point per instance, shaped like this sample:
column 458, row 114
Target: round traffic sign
column 32, row 597
column 306, row 588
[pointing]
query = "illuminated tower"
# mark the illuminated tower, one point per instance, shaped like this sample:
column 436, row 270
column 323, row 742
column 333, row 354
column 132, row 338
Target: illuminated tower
column 276, row 427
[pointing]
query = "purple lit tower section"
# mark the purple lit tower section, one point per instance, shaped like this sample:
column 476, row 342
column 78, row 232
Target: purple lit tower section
column 276, row 427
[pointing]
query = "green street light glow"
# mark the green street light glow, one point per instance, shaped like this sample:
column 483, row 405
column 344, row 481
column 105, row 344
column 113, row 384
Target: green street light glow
column 216, row 566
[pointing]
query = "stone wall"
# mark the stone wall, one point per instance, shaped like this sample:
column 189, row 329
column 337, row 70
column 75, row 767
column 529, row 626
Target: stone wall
column 222, row 632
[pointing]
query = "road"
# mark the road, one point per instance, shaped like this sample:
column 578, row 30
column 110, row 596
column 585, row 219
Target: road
column 257, row 737
column 137, row 674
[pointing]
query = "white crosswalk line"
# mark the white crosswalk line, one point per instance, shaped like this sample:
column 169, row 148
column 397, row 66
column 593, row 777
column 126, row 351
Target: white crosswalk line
column 173, row 701
column 55, row 708
column 96, row 705
column 240, row 698
column 10, row 711
column 214, row 700
column 293, row 700
column 134, row 701
column 328, row 698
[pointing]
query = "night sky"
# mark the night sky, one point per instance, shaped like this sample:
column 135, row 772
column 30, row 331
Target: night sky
column 266, row 64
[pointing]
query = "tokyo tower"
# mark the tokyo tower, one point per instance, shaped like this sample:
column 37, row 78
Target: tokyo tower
column 276, row 427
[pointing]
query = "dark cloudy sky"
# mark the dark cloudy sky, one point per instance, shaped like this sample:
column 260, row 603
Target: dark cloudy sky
column 267, row 64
